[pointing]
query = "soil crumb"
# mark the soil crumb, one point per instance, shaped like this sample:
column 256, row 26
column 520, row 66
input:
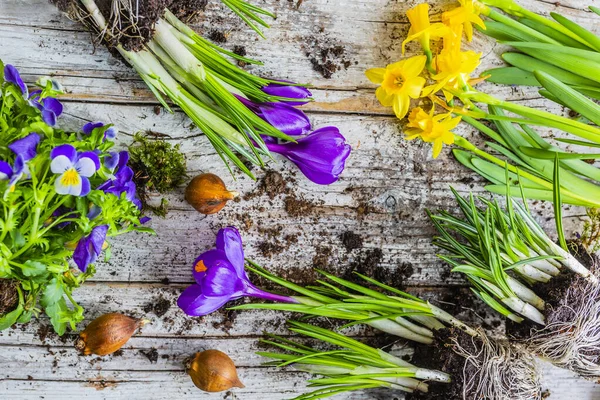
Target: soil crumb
column 217, row 36
column 351, row 241
column 321, row 258
column 159, row 306
column 298, row 206
column 9, row 296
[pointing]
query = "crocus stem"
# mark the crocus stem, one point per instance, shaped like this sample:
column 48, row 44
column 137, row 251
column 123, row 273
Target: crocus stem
column 261, row 294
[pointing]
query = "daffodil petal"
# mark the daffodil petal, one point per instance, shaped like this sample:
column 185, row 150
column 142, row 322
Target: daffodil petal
column 437, row 148
column 375, row 75
column 401, row 104
column 384, row 98
column 414, row 86
column 413, row 66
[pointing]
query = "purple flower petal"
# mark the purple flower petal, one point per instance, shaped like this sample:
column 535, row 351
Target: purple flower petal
column 111, row 160
column 12, row 75
column 93, row 157
column 291, row 92
column 26, row 147
column 6, row 170
column 230, row 242
column 65, row 150
column 19, row 166
column 193, row 302
column 145, row 220
column 321, row 155
column 49, row 117
column 210, row 259
column 286, row 118
column 94, row 211
column 123, row 159
column 89, row 247
column 111, row 133
column 221, row 280
column 51, row 104
column 85, row 186
column 90, row 126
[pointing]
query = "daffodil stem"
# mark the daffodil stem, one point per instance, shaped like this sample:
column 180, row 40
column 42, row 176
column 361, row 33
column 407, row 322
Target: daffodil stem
column 496, row 16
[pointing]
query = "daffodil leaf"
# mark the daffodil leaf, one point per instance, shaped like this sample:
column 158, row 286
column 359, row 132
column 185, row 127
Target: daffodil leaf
column 530, row 64
column 595, row 9
column 578, row 142
column 553, row 33
column 577, row 29
column 550, row 155
column 572, row 98
column 511, row 76
column 535, row 194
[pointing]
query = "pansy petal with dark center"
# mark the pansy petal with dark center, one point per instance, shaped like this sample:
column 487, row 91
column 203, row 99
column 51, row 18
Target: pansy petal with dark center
column 87, row 164
column 67, row 151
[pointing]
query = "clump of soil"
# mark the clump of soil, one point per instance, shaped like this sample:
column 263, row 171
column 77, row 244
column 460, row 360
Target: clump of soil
column 272, row 185
column 326, row 55
column 321, row 258
column 159, row 306
column 217, row 36
column 9, row 296
column 351, row 241
column 158, row 167
column 151, row 354
column 439, row 356
column 368, row 263
column 240, row 51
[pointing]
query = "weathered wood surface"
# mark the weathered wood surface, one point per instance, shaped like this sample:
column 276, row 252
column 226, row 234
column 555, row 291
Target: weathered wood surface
column 381, row 197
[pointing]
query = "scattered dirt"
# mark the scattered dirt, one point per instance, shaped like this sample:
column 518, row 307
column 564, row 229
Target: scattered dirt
column 101, row 383
column 159, row 306
column 271, row 185
column 298, row 206
column 151, row 354
column 321, row 258
column 326, row 55
column 240, row 51
column 351, row 241
column 9, row 296
column 439, row 356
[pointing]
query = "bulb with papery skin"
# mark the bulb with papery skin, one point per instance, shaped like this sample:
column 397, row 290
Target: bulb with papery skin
column 108, row 333
column 207, row 193
column 213, row 371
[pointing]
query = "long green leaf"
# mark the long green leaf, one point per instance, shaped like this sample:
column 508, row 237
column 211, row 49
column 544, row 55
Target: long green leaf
column 511, row 76
column 577, row 29
column 558, row 204
column 550, row 155
column 553, row 33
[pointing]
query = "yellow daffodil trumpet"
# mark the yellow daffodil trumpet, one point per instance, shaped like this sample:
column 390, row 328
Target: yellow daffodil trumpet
column 422, row 30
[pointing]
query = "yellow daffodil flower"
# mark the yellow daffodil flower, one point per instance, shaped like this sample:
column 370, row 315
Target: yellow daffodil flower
column 436, row 129
column 466, row 15
column 399, row 83
column 453, row 68
column 421, row 29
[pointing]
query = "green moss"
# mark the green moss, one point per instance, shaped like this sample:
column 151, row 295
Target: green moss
column 159, row 167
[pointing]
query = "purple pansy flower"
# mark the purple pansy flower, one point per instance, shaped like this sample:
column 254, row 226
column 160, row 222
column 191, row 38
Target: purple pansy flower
column 122, row 182
column 300, row 93
column 220, row 277
column 284, row 117
column 25, row 149
column 321, row 155
column 50, row 108
column 89, row 247
column 12, row 75
column 110, row 133
column 74, row 169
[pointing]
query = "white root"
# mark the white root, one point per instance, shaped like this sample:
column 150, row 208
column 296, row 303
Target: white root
column 571, row 337
column 498, row 371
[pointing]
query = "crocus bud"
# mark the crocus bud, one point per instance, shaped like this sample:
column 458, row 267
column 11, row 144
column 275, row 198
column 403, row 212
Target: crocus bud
column 207, row 193
column 213, row 371
column 107, row 333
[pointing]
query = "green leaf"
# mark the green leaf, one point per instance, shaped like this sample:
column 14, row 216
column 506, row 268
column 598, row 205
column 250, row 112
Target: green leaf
column 577, row 29
column 33, row 268
column 572, row 98
column 578, row 142
column 55, row 311
column 8, row 320
column 511, row 76
column 595, row 9
column 558, row 204
column 550, row 154
column 53, row 292
column 553, row 33
column 530, row 64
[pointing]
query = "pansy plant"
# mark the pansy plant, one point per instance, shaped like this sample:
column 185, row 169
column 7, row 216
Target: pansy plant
column 62, row 196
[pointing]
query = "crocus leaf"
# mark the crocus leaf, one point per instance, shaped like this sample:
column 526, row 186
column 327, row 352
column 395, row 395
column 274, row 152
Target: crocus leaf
column 557, row 201
column 578, row 142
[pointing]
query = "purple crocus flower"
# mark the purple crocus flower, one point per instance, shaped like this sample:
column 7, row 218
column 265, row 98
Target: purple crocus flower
column 220, row 277
column 300, row 93
column 74, row 169
column 12, row 75
column 89, row 247
column 50, row 108
column 110, row 133
column 284, row 117
column 321, row 155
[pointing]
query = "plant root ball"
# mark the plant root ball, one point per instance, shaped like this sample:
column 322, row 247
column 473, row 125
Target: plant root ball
column 481, row 368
